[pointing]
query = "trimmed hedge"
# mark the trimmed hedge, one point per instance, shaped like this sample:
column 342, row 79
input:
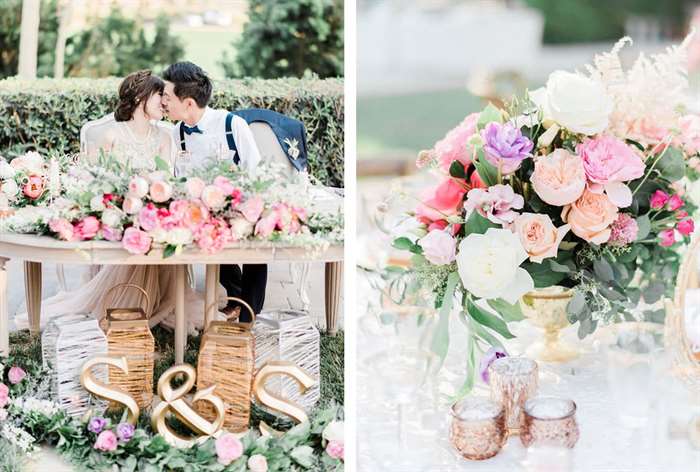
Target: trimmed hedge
column 46, row 114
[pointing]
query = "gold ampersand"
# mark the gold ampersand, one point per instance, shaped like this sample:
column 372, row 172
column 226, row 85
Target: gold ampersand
column 107, row 392
column 172, row 399
column 276, row 402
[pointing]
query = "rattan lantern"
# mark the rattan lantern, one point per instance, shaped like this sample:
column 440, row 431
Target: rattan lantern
column 129, row 335
column 227, row 360
column 289, row 335
column 67, row 342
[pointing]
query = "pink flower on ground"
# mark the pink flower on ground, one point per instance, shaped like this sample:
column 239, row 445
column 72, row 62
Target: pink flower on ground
column 608, row 163
column 34, row 188
column 686, row 227
column 228, row 448
column 16, row 375
column 674, row 203
column 559, row 178
column 252, row 209
column 658, row 199
column 62, row 227
column 497, row 203
column 161, row 191
column 224, row 185
column 136, row 241
column 111, row 234
column 106, row 441
column 87, row 228
column 194, row 187
column 213, row 197
column 455, row 145
column 148, row 217
column 335, row 449
column 441, row 202
column 623, row 231
column 668, row 237
column 438, row 247
column 257, row 463
column 4, row 395
column 690, row 133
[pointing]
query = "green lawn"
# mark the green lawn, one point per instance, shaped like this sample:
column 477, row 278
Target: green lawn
column 409, row 123
column 205, row 48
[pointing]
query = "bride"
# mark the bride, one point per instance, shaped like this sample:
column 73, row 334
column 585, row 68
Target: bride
column 134, row 137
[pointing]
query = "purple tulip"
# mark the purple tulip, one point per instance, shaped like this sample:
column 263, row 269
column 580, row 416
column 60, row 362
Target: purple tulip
column 505, row 146
column 125, row 431
column 97, row 424
column 486, row 360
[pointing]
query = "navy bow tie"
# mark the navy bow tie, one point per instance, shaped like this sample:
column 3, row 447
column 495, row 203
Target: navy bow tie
column 194, row 129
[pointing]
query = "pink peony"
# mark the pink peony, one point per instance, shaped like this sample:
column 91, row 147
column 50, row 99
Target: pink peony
column 455, row 145
column 335, row 449
column 252, row 209
column 497, row 203
column 132, row 205
column 438, row 247
column 106, row 441
column 257, row 463
column 668, row 237
column 690, row 133
column 138, row 187
column 16, row 375
column 111, row 234
column 686, row 227
column 608, row 163
column 213, row 197
column 441, row 202
column 178, row 209
column 559, row 178
column 590, row 217
column 228, row 448
column 538, row 235
column 266, row 225
column 34, row 188
column 674, row 203
column 4, row 395
column 62, row 227
column 161, row 191
column 658, row 199
column 213, row 235
column 136, row 241
column 148, row 217
column 224, row 185
column 623, row 231
column 196, row 216
column 194, row 187
column 87, row 228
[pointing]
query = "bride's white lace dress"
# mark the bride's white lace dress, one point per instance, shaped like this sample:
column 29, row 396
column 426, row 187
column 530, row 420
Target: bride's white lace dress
column 157, row 281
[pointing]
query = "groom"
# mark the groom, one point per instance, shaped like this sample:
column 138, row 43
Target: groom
column 202, row 131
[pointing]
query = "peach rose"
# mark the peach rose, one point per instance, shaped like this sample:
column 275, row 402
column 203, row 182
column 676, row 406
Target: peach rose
column 213, row 197
column 590, row 217
column 132, row 205
column 194, row 187
column 539, row 236
column 161, row 191
column 559, row 178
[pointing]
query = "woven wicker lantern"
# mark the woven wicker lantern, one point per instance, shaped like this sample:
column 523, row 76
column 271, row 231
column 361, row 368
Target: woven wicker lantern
column 227, row 360
column 129, row 335
column 67, row 342
column 289, row 335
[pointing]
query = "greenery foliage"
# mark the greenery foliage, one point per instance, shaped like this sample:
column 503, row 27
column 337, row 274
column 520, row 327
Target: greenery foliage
column 46, row 115
column 289, row 38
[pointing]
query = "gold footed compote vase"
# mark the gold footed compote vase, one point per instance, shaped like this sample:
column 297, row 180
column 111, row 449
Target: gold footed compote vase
column 546, row 309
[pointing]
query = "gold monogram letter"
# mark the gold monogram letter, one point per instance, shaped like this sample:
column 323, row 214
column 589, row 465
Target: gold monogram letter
column 107, row 392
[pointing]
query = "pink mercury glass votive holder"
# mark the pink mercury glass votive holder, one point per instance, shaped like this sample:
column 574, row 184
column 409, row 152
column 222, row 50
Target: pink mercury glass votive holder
column 549, row 420
column 478, row 428
column 513, row 380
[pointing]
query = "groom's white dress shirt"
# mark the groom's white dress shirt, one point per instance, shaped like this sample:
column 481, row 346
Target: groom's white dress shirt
column 212, row 139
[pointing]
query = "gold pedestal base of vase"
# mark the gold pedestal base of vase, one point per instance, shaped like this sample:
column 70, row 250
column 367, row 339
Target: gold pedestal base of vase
column 546, row 308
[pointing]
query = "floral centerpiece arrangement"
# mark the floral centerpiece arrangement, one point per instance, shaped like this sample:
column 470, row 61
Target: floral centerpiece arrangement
column 581, row 185
column 218, row 205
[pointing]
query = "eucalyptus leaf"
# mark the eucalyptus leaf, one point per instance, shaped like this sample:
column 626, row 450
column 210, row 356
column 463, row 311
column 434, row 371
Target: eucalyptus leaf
column 576, row 304
column 603, row 270
column 506, row 310
column 672, row 164
column 653, row 292
column 644, row 227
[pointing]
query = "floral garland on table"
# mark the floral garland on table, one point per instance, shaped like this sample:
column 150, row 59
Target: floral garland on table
column 97, row 442
column 219, row 205
column 580, row 185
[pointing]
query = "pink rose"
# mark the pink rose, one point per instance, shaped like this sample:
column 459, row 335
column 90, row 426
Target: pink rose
column 228, row 448
column 690, row 133
column 497, row 203
column 194, row 187
column 686, row 227
column 148, row 217
column 681, row 214
column 16, row 375
column 34, row 188
column 138, row 187
column 438, row 247
column 559, row 178
column 161, row 191
column 4, row 395
column 440, row 202
column 647, row 131
column 213, row 235
column 455, row 145
column 213, row 197
column 674, row 203
column 106, row 441
column 62, row 227
column 252, row 209
column 590, row 217
column 539, row 236
column 224, row 185
column 266, row 225
column 136, row 241
column 668, row 237
column 87, row 228
column 658, row 199
column 178, row 209
column 257, row 463
column 608, row 163
column 335, row 449
column 132, row 205
column 111, row 234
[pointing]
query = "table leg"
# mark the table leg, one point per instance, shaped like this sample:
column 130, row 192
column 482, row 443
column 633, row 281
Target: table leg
column 32, row 293
column 211, row 280
column 180, row 321
column 4, row 315
column 334, row 274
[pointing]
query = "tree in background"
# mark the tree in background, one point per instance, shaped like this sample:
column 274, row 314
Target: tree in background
column 289, row 38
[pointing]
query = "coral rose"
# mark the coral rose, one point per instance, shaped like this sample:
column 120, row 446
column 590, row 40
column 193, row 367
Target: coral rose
column 559, row 178
column 34, row 188
column 440, row 202
column 590, row 217
column 539, row 236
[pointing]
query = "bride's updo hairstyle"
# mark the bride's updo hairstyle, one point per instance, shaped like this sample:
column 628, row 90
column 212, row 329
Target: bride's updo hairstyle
column 134, row 91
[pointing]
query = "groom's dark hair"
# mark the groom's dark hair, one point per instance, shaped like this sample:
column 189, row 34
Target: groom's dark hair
column 190, row 82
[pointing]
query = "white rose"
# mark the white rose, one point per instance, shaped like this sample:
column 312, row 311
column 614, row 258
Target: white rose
column 97, row 203
column 112, row 218
column 179, row 236
column 159, row 235
column 575, row 102
column 489, row 265
column 6, row 170
column 10, row 188
column 439, row 247
column 241, row 228
column 334, row 431
column 132, row 205
column 257, row 463
column 138, row 187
